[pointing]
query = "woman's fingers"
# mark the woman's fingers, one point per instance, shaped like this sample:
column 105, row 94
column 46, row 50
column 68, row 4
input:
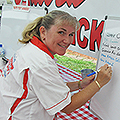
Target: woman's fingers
column 104, row 74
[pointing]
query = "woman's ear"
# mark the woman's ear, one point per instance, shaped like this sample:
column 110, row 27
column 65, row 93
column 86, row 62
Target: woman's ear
column 42, row 32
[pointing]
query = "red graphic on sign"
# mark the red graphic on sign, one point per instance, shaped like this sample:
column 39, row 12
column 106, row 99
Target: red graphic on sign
column 83, row 43
column 17, row 2
column 40, row 2
column 75, row 3
column 95, row 34
column 58, row 3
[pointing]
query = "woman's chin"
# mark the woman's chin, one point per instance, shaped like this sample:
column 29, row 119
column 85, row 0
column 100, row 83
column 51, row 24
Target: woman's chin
column 61, row 54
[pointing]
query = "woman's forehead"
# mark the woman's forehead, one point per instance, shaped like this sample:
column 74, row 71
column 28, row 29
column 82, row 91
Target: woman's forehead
column 65, row 22
column 65, row 26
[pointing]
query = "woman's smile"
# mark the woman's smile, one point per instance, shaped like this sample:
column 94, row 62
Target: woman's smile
column 63, row 46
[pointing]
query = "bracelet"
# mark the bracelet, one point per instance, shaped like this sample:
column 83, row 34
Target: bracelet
column 79, row 86
column 97, row 84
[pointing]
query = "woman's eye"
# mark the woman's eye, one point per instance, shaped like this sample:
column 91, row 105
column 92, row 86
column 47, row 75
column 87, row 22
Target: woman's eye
column 61, row 32
column 71, row 34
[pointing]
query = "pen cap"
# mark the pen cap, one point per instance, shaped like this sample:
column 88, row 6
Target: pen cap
column 85, row 72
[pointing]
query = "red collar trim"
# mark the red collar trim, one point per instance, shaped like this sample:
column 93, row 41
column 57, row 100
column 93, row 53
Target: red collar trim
column 35, row 41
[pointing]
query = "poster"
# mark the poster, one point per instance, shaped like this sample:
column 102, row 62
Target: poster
column 106, row 102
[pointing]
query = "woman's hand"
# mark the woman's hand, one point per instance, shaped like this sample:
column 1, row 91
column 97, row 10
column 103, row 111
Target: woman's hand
column 86, row 81
column 104, row 75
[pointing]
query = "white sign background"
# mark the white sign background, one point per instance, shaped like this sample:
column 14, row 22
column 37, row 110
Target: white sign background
column 90, row 10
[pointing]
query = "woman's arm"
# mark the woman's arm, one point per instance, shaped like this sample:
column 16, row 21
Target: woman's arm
column 80, row 98
column 73, row 86
column 80, row 84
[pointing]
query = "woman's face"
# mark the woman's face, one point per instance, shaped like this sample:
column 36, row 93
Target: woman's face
column 57, row 38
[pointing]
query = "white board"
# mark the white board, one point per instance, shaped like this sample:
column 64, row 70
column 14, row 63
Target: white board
column 106, row 102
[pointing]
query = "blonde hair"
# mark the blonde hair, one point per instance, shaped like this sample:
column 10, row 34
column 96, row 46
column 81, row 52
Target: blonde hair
column 53, row 18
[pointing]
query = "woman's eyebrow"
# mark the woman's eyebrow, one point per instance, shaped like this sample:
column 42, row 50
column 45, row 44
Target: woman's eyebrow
column 66, row 30
column 63, row 29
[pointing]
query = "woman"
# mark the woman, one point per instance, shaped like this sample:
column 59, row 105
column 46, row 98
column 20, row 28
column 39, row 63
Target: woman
column 31, row 87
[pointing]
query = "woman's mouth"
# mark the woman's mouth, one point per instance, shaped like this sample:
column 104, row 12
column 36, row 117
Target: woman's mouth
column 62, row 46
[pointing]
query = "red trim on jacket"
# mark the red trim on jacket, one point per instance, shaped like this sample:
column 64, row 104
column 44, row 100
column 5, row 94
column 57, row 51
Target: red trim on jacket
column 35, row 41
column 59, row 102
column 24, row 95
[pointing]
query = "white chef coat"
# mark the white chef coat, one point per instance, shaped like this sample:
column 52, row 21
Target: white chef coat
column 31, row 87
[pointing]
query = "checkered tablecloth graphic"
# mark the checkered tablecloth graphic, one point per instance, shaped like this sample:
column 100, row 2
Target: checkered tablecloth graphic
column 82, row 113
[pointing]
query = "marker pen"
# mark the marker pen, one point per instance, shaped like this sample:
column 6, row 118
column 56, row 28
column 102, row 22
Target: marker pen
column 93, row 73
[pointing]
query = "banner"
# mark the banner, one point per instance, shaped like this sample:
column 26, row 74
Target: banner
column 91, row 15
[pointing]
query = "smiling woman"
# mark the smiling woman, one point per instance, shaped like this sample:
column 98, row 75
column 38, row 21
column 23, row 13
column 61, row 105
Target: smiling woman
column 33, row 88
column 57, row 38
column 57, row 35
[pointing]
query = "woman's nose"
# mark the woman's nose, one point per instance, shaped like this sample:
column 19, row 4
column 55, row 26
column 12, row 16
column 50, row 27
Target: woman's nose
column 68, row 39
